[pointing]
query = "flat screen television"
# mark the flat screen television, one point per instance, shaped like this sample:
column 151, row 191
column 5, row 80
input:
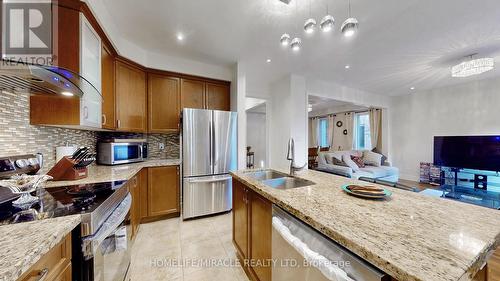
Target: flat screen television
column 470, row 152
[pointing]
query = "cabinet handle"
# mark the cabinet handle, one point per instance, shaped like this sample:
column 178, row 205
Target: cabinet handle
column 104, row 120
column 118, row 123
column 42, row 274
column 85, row 112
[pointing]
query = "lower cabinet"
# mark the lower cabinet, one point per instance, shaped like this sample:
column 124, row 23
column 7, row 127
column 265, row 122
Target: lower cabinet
column 54, row 265
column 252, row 231
column 158, row 192
column 163, row 190
column 135, row 209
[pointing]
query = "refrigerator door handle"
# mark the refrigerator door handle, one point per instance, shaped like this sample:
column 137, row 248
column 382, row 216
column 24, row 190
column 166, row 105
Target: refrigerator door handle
column 212, row 141
column 210, row 180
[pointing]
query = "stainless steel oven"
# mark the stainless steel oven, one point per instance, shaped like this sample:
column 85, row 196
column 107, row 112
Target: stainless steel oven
column 114, row 153
column 107, row 253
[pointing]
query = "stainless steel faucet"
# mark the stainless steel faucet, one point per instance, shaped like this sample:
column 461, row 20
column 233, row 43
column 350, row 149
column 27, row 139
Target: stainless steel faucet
column 290, row 155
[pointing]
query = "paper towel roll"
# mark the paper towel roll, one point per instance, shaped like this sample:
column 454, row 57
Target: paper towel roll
column 62, row 151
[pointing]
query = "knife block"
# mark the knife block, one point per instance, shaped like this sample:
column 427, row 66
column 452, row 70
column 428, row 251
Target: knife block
column 65, row 169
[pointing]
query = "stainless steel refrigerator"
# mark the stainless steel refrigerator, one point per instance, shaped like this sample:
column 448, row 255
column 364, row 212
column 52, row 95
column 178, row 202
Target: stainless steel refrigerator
column 209, row 139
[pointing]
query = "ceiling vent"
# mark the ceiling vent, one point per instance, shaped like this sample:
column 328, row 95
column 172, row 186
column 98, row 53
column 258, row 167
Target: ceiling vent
column 286, row 1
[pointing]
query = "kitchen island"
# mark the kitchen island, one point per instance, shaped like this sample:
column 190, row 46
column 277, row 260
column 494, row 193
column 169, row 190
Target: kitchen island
column 409, row 236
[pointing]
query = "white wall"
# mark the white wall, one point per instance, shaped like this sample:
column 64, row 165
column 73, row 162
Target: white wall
column 256, row 137
column 467, row 109
column 287, row 118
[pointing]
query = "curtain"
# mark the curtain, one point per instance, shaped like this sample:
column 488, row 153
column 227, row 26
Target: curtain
column 376, row 128
column 331, row 126
column 349, row 125
column 314, row 132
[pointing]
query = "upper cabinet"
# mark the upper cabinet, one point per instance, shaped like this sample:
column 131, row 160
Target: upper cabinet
column 108, row 88
column 130, row 95
column 164, row 103
column 90, row 69
column 204, row 95
column 78, row 49
column 192, row 93
column 217, row 97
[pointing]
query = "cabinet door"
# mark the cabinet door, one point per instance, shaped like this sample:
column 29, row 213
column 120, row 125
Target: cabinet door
column 143, row 190
column 163, row 191
column 240, row 218
column 192, row 94
column 90, row 69
column 218, row 97
column 164, row 103
column 108, row 89
column 130, row 97
column 260, row 235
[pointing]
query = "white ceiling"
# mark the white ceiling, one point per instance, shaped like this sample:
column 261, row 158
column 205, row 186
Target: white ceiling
column 400, row 44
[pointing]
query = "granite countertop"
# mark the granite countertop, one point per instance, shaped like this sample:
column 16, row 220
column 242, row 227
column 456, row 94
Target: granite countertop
column 410, row 236
column 103, row 173
column 23, row 244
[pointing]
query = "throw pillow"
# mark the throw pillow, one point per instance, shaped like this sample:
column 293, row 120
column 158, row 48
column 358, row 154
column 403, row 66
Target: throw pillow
column 329, row 158
column 372, row 158
column 358, row 160
column 348, row 161
column 384, row 158
column 339, row 162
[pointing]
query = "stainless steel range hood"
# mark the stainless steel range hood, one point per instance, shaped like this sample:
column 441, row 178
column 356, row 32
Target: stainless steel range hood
column 41, row 79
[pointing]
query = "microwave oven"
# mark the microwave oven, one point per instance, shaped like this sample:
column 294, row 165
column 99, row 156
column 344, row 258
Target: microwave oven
column 115, row 153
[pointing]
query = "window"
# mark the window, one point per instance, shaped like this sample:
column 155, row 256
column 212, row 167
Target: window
column 362, row 139
column 323, row 132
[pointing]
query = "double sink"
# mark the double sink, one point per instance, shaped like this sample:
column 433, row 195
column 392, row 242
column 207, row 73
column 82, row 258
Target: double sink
column 278, row 180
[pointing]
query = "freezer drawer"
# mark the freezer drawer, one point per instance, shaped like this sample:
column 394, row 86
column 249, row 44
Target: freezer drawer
column 206, row 195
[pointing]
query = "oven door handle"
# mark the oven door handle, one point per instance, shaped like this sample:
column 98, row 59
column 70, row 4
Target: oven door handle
column 91, row 243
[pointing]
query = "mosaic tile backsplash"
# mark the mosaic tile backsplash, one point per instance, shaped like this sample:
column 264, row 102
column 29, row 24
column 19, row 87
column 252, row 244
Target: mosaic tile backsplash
column 17, row 136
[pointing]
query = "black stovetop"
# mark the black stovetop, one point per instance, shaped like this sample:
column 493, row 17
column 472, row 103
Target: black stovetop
column 60, row 201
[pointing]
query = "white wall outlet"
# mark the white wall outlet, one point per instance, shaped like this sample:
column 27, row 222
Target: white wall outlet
column 161, row 146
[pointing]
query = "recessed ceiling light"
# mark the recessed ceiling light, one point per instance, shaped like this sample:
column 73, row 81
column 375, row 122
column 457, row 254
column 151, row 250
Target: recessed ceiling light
column 268, row 60
column 68, row 94
column 412, row 88
column 180, row 36
column 347, row 66
column 295, row 44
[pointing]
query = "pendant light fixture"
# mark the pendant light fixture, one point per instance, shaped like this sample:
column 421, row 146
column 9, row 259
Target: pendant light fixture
column 295, row 45
column 310, row 24
column 285, row 39
column 327, row 22
column 350, row 25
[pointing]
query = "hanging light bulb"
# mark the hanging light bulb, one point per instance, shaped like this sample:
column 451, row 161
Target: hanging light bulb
column 285, row 39
column 295, row 45
column 310, row 25
column 350, row 25
column 327, row 23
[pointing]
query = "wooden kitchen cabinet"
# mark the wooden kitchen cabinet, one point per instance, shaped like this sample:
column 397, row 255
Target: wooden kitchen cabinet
column 55, row 265
column 163, row 191
column 252, row 230
column 204, row 95
column 135, row 208
column 108, row 88
column 217, row 97
column 240, row 218
column 163, row 103
column 192, row 94
column 130, row 98
column 143, row 190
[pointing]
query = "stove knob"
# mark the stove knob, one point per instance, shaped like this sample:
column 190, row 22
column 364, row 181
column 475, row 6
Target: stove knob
column 21, row 163
column 33, row 162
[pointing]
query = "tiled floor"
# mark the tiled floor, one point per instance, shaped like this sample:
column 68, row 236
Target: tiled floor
column 203, row 245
